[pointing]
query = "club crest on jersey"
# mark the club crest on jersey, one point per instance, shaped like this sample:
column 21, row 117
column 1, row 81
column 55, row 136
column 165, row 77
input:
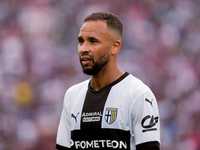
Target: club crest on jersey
column 110, row 115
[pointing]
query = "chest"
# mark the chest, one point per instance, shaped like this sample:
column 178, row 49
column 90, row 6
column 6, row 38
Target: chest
column 108, row 109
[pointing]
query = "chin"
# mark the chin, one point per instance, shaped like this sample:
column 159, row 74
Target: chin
column 90, row 71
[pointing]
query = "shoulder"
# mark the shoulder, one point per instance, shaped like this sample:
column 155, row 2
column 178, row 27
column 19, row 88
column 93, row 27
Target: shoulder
column 135, row 85
column 131, row 89
column 77, row 89
column 79, row 86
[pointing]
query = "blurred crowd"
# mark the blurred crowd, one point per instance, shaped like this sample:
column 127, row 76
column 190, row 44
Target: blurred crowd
column 39, row 61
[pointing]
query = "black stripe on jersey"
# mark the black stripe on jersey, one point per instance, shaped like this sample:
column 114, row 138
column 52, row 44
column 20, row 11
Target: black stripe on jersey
column 102, row 139
column 59, row 147
column 153, row 144
column 92, row 111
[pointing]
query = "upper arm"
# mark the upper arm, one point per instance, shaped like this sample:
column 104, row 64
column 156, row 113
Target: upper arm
column 64, row 130
column 146, row 122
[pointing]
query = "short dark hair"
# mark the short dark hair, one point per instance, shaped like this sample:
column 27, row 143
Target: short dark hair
column 113, row 22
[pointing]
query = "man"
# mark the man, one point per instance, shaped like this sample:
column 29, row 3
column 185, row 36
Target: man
column 113, row 109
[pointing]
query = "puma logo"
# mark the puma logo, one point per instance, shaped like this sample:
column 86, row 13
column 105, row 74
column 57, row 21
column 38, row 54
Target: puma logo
column 73, row 116
column 149, row 101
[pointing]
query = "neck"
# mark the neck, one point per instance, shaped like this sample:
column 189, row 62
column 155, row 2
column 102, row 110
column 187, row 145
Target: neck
column 104, row 78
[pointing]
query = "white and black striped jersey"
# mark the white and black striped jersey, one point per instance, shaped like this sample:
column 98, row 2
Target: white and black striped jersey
column 122, row 115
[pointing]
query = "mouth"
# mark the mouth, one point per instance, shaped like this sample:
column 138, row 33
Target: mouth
column 85, row 60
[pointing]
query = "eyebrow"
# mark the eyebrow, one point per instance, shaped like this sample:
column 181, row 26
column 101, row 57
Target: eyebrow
column 92, row 38
column 89, row 38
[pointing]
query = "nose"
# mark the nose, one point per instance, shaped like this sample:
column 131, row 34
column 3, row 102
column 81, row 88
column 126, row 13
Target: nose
column 84, row 47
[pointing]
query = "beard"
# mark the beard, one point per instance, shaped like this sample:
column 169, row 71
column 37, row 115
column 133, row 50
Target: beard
column 97, row 65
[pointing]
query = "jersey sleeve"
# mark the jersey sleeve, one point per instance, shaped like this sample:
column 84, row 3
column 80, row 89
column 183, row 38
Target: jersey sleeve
column 64, row 131
column 145, row 121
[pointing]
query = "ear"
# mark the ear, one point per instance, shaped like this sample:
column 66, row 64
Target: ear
column 116, row 47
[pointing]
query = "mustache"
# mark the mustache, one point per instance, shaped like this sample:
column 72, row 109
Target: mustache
column 86, row 54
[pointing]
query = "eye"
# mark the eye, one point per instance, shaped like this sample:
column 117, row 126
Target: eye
column 93, row 41
column 80, row 41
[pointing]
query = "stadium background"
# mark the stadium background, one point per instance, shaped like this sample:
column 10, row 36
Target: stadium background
column 39, row 61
